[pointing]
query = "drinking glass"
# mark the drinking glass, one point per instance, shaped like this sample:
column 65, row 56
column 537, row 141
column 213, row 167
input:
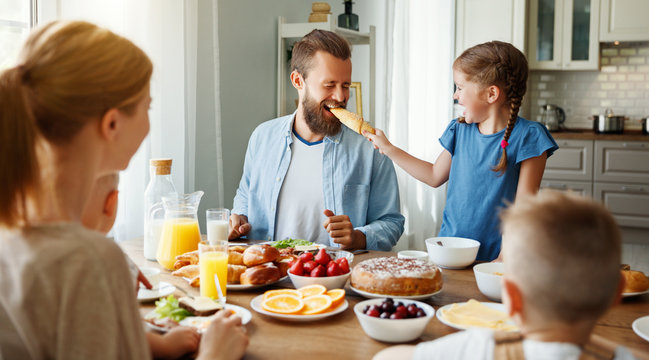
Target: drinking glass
column 217, row 221
column 213, row 259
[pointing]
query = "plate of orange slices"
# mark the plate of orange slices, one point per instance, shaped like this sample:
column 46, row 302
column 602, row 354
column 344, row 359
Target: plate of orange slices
column 309, row 303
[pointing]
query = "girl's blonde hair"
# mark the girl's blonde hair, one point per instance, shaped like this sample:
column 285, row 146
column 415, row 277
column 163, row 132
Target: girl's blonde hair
column 69, row 73
column 501, row 64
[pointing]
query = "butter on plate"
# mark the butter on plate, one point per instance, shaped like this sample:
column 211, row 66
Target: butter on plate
column 475, row 314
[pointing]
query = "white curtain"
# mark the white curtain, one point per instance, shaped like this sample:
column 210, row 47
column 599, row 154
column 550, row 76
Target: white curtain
column 418, row 102
column 167, row 30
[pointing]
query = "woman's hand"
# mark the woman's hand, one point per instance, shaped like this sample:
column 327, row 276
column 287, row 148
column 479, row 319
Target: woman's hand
column 225, row 339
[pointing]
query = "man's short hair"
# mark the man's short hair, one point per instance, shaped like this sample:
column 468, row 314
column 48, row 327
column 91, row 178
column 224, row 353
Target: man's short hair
column 563, row 251
column 317, row 40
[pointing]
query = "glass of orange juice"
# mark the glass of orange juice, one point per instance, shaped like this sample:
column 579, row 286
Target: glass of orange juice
column 213, row 260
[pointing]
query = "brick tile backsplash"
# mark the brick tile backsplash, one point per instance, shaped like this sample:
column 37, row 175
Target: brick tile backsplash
column 622, row 83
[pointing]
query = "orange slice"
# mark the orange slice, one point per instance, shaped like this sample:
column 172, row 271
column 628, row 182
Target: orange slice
column 270, row 293
column 283, row 304
column 316, row 304
column 312, row 290
column 337, row 297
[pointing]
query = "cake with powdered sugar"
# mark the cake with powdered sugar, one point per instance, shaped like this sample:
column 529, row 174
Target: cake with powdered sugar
column 396, row 277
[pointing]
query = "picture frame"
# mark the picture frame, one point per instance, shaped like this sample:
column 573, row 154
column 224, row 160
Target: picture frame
column 355, row 101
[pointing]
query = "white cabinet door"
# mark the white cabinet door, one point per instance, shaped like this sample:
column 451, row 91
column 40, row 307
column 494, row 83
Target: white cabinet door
column 572, row 161
column 622, row 161
column 563, row 35
column 624, row 20
column 505, row 22
column 628, row 203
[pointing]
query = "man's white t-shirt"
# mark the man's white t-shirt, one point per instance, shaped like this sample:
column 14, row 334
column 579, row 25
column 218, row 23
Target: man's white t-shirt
column 300, row 204
column 478, row 344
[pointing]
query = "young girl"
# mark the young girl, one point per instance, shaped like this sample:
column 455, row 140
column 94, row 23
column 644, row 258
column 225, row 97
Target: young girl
column 490, row 154
column 74, row 108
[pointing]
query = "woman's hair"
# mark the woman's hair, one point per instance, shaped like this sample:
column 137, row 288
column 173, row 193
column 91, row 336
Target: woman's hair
column 501, row 64
column 564, row 252
column 317, row 40
column 69, row 73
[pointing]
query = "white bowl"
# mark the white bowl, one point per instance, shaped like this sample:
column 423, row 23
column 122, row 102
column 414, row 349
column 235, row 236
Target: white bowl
column 488, row 281
column 413, row 254
column 397, row 330
column 330, row 282
column 455, row 252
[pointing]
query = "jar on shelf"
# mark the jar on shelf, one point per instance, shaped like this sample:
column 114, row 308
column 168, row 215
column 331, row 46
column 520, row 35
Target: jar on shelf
column 348, row 20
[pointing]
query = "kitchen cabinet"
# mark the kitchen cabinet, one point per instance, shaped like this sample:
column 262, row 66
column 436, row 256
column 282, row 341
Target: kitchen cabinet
column 624, row 20
column 615, row 173
column 506, row 22
column 288, row 33
column 563, row 35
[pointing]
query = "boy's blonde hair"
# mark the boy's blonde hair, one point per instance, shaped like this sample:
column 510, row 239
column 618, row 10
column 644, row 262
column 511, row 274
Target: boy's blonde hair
column 563, row 251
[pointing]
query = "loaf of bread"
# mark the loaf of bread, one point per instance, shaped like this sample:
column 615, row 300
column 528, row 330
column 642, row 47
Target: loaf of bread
column 259, row 254
column 352, row 120
column 260, row 274
column 234, row 273
column 634, row 281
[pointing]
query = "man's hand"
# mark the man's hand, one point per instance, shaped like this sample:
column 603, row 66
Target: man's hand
column 342, row 232
column 238, row 226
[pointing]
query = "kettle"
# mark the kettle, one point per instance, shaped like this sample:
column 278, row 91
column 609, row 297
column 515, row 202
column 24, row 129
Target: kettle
column 552, row 117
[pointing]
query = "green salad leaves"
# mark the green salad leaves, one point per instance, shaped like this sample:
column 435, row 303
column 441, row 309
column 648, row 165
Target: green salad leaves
column 286, row 243
column 168, row 308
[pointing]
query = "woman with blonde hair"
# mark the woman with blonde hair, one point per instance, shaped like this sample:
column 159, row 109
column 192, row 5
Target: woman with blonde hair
column 74, row 109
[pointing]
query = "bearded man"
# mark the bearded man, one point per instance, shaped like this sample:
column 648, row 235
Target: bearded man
column 305, row 176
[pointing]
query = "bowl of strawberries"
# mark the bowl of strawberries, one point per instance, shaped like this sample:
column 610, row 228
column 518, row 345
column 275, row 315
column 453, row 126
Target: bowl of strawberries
column 330, row 268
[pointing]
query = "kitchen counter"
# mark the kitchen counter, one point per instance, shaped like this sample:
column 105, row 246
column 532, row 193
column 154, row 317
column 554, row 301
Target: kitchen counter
column 587, row 134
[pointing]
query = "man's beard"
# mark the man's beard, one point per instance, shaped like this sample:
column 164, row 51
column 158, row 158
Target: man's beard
column 315, row 119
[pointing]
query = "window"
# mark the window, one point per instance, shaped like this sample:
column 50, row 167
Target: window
column 16, row 18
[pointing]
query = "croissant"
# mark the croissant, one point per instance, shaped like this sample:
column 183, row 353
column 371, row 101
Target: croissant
column 188, row 258
column 188, row 271
column 352, row 120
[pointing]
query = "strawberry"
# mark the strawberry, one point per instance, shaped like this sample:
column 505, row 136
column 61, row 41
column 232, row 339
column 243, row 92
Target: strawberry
column 309, row 266
column 297, row 268
column 344, row 265
column 333, row 269
column 306, row 256
column 319, row 271
column 322, row 257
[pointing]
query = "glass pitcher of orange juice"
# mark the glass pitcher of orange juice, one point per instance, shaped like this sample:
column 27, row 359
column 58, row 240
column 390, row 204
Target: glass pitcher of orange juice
column 180, row 232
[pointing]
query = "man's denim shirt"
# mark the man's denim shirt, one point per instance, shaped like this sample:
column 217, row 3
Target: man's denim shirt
column 357, row 181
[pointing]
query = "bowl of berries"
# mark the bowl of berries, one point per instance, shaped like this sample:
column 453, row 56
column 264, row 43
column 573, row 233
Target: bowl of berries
column 393, row 320
column 330, row 268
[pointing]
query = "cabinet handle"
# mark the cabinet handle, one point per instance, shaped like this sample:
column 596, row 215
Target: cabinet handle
column 633, row 145
column 632, row 188
column 557, row 186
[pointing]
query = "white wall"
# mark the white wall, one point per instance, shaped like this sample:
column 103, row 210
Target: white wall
column 248, row 63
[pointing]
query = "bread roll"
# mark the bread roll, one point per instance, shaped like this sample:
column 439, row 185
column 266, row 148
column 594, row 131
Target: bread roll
column 188, row 271
column 234, row 273
column 259, row 254
column 283, row 263
column 634, row 281
column 235, row 258
column 237, row 248
column 352, row 120
column 260, row 274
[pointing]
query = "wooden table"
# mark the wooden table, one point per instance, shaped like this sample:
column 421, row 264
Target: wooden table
column 341, row 336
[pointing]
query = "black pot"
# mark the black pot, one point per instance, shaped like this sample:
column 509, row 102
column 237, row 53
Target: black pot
column 608, row 124
column 645, row 124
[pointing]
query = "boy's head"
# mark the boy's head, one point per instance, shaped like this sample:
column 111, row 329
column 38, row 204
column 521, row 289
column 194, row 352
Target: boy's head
column 562, row 252
column 101, row 208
